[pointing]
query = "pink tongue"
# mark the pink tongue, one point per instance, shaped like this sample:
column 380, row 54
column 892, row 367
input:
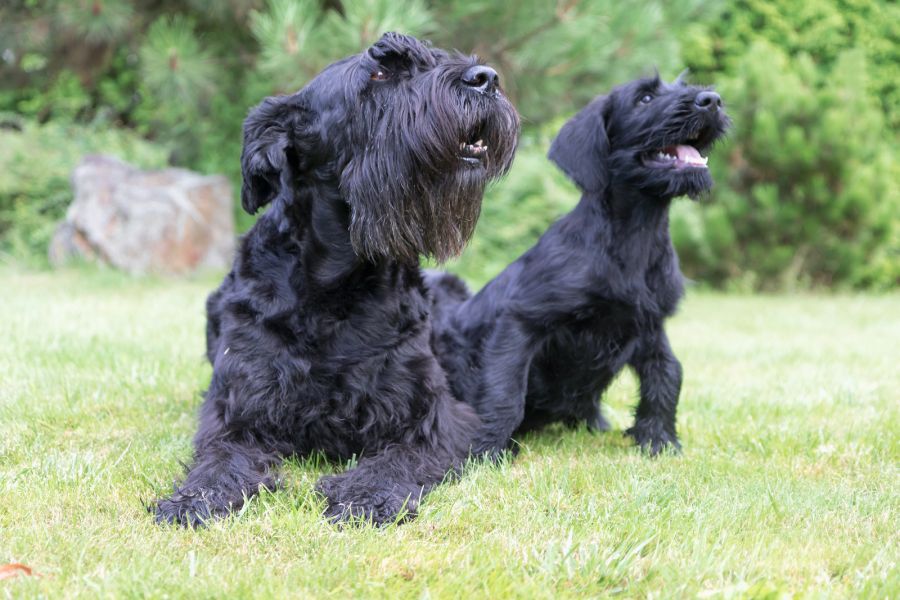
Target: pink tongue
column 686, row 152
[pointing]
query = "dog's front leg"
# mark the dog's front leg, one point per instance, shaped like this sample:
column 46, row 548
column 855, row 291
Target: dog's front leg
column 660, row 376
column 388, row 485
column 227, row 469
column 383, row 488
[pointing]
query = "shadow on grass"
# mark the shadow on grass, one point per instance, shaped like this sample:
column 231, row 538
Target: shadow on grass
column 558, row 439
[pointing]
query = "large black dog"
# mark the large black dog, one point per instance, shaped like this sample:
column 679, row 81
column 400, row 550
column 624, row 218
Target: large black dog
column 543, row 340
column 320, row 334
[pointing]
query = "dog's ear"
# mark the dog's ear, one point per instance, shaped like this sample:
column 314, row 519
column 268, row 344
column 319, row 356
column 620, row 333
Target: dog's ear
column 581, row 147
column 272, row 132
column 682, row 77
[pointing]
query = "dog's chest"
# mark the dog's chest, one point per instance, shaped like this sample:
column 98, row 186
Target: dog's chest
column 360, row 377
column 604, row 331
column 606, row 328
column 641, row 292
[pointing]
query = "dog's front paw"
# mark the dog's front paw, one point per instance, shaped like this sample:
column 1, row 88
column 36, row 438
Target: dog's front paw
column 349, row 504
column 187, row 508
column 653, row 437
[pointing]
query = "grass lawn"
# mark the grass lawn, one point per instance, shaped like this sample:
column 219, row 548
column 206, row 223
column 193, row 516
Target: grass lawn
column 789, row 482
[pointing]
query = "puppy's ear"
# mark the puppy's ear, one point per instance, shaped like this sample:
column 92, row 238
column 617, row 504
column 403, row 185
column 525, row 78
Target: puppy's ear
column 271, row 156
column 581, row 147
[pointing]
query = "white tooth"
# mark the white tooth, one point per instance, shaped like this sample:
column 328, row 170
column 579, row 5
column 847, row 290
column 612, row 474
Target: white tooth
column 478, row 143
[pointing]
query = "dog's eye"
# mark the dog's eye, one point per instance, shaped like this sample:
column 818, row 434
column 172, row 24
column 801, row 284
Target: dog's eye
column 646, row 99
column 380, row 75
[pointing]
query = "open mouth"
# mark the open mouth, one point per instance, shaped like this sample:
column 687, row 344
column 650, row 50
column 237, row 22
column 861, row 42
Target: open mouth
column 678, row 156
column 474, row 150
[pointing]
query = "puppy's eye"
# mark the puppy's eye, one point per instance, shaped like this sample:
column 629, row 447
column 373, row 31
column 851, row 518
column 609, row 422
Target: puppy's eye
column 380, row 75
column 646, row 99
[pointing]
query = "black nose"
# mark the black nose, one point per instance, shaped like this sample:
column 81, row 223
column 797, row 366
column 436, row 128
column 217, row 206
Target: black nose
column 710, row 101
column 482, row 78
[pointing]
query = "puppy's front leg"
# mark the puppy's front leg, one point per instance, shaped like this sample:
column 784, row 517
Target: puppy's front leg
column 506, row 358
column 660, row 376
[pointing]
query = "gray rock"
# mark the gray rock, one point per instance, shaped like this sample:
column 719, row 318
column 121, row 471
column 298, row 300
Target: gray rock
column 171, row 222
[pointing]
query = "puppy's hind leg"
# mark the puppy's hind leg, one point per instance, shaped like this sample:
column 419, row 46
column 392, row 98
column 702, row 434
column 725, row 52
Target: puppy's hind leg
column 506, row 359
column 596, row 421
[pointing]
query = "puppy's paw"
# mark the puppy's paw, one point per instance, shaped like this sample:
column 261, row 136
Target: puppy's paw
column 653, row 437
column 349, row 505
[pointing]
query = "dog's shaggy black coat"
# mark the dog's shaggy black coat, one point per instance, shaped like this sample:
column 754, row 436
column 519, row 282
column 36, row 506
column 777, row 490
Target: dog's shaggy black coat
column 320, row 334
column 542, row 341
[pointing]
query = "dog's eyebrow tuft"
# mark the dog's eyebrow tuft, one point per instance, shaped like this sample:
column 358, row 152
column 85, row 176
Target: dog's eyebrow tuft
column 650, row 84
column 403, row 47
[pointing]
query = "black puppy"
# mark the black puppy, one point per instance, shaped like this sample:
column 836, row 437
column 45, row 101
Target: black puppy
column 543, row 340
column 320, row 335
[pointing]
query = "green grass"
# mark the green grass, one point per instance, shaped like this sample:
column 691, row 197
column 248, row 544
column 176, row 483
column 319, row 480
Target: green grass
column 788, row 483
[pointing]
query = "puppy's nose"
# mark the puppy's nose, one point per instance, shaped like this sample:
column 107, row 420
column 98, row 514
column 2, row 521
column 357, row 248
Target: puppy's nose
column 481, row 78
column 710, row 101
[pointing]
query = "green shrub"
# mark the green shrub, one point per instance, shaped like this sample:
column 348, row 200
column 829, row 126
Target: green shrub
column 806, row 187
column 819, row 29
column 806, row 190
column 36, row 162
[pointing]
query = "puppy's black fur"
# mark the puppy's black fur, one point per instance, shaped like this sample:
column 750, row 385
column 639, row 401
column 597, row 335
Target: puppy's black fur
column 544, row 339
column 320, row 334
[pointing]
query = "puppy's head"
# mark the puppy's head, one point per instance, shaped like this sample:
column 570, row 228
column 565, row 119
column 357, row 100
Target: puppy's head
column 406, row 134
column 646, row 135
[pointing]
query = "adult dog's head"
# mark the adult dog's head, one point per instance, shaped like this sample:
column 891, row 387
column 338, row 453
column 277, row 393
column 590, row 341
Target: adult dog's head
column 406, row 135
column 646, row 135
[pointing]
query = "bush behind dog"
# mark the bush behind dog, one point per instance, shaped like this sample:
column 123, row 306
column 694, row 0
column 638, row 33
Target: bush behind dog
column 806, row 190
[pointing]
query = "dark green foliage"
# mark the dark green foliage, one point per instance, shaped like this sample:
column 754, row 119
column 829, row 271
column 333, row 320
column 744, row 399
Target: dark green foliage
column 807, row 189
column 819, row 29
column 185, row 74
column 556, row 56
